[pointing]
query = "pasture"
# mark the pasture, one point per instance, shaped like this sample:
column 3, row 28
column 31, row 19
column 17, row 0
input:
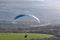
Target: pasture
column 20, row 36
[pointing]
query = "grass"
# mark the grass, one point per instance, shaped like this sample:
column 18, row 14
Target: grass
column 20, row 36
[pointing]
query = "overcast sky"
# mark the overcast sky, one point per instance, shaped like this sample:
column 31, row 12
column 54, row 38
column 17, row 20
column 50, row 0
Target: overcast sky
column 21, row 0
column 34, row 0
column 43, row 9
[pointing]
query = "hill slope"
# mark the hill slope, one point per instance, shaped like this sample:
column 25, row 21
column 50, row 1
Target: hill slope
column 20, row 36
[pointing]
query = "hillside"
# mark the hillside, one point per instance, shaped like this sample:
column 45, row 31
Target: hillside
column 20, row 36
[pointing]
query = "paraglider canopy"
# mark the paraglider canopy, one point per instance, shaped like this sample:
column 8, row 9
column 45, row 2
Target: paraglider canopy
column 22, row 15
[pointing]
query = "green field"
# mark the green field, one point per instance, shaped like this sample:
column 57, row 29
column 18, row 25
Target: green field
column 20, row 36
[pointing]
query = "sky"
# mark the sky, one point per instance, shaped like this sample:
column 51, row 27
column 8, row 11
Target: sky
column 45, row 10
column 21, row 0
column 52, row 0
column 33, row 0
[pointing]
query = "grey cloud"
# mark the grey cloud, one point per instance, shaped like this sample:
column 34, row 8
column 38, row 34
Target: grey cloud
column 44, row 13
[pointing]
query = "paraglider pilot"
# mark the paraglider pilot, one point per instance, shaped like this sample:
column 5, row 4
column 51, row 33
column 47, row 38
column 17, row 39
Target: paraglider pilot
column 25, row 36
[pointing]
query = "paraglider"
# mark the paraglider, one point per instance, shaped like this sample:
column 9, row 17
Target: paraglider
column 22, row 15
